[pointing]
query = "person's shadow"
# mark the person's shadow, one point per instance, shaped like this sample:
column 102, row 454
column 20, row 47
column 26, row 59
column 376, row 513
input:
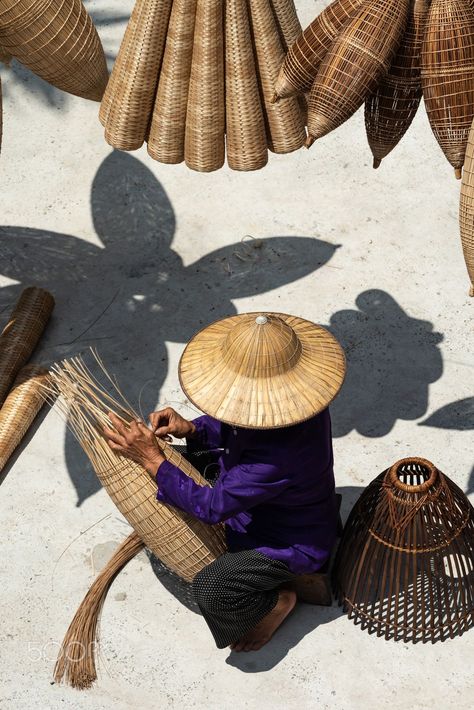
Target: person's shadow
column 131, row 293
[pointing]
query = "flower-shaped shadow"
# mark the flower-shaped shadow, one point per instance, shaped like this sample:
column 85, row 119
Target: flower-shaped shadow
column 131, row 294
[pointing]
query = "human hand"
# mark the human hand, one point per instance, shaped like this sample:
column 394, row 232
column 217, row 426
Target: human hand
column 136, row 442
column 168, row 421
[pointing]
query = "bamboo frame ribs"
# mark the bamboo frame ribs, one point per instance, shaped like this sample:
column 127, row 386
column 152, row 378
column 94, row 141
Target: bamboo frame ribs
column 405, row 566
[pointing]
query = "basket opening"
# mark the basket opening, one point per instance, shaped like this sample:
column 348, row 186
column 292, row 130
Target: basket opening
column 413, row 474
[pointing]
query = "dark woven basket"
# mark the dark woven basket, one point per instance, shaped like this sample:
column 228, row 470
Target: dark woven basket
column 405, row 566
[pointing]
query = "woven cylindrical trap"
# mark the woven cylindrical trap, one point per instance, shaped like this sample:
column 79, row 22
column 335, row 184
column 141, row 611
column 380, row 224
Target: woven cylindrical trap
column 57, row 40
column 285, row 123
column 166, row 138
column 355, row 63
column 308, row 50
column 245, row 125
column 447, row 76
column 405, row 564
column 20, row 408
column 390, row 110
column 466, row 209
column 22, row 333
column 205, row 119
column 128, row 100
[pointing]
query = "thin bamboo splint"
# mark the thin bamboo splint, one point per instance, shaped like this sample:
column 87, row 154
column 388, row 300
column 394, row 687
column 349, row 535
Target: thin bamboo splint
column 405, row 566
column 390, row 110
column 168, row 123
column 205, row 119
column 128, row 100
column 308, row 50
column 285, row 123
column 22, row 333
column 245, row 124
column 447, row 76
column 57, row 40
column 355, row 63
column 20, row 409
column 466, row 209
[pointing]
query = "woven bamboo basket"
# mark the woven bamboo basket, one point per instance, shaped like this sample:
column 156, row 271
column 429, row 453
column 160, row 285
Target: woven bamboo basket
column 20, row 409
column 22, row 333
column 166, row 139
column 390, row 110
column 245, row 124
column 405, row 565
column 306, row 53
column 466, row 209
column 205, row 119
column 355, row 63
column 127, row 105
column 57, row 40
column 447, row 76
column 285, row 122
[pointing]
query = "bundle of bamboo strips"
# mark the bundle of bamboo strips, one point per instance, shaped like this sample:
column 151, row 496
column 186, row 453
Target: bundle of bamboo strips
column 22, row 332
column 194, row 78
column 20, row 408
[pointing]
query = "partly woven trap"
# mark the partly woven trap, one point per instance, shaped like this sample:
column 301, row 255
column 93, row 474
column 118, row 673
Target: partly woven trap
column 196, row 78
column 183, row 543
column 466, row 209
column 405, row 566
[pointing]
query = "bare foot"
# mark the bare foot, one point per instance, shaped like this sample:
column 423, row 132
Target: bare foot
column 262, row 633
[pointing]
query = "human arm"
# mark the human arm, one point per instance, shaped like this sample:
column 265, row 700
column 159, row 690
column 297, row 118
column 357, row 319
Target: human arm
column 202, row 433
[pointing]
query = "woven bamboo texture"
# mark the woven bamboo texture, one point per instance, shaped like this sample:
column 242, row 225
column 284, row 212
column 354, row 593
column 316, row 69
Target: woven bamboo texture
column 182, row 542
column 285, row 124
column 57, row 40
column 447, row 76
column 20, row 409
column 22, row 333
column 390, row 110
column 289, row 26
column 205, row 121
column 466, row 209
column 166, row 139
column 359, row 57
column 128, row 100
column 308, row 50
column 405, row 566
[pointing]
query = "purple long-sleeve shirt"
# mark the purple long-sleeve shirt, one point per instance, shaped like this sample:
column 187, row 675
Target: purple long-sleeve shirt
column 275, row 491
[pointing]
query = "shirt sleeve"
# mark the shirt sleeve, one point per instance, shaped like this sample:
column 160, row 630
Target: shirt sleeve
column 239, row 489
column 208, row 435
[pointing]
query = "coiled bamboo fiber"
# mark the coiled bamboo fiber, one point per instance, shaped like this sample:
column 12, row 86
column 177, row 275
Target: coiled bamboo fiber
column 205, row 118
column 182, row 542
column 405, row 565
column 166, row 139
column 306, row 53
column 20, row 409
column 355, row 63
column 466, row 209
column 245, row 125
column 57, row 40
column 447, row 76
column 390, row 110
column 128, row 100
column 22, row 333
column 286, row 130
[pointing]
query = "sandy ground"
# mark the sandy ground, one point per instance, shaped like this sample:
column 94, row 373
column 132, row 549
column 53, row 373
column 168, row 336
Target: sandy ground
column 138, row 256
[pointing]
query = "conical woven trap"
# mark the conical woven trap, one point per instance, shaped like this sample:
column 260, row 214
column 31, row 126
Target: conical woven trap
column 195, row 80
column 466, row 209
column 405, row 565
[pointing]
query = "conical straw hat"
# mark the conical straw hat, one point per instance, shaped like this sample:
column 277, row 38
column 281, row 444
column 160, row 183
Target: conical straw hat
column 262, row 371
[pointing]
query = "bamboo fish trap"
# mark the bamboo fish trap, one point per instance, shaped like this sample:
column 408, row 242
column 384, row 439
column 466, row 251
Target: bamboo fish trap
column 355, row 63
column 57, row 40
column 22, row 333
column 447, row 76
column 20, row 409
column 405, row 565
column 466, row 209
column 195, row 79
column 390, row 110
column 183, row 543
